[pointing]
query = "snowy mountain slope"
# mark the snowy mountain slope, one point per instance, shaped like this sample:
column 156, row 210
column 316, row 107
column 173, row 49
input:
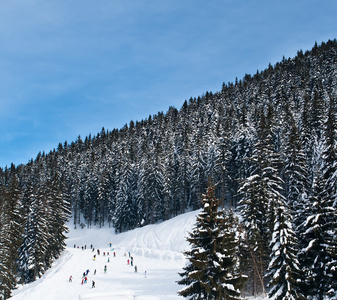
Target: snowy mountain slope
column 156, row 249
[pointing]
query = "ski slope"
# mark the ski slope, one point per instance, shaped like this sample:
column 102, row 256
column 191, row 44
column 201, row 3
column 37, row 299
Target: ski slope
column 156, row 250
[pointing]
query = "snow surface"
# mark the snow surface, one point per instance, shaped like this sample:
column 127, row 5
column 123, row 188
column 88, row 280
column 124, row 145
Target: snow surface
column 156, row 250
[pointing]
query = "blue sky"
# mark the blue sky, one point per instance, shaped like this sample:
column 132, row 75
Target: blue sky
column 69, row 68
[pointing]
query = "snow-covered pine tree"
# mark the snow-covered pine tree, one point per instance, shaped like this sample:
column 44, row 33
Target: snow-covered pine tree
column 151, row 183
column 103, row 197
column 58, row 213
column 283, row 268
column 10, row 235
column 32, row 253
column 296, row 179
column 330, row 194
column 238, row 164
column 229, row 237
column 168, row 188
column 112, row 166
column 198, row 167
column 212, row 269
column 183, row 148
column 90, row 199
column 314, row 256
column 260, row 192
column 254, row 212
column 318, row 230
column 176, row 186
column 295, row 171
column 128, row 213
column 222, row 158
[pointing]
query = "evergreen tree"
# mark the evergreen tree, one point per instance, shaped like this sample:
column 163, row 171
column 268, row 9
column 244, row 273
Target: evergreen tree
column 151, row 185
column 128, row 213
column 183, row 149
column 295, row 170
column 103, row 197
column 10, row 235
column 314, row 257
column 58, row 214
column 212, row 269
column 296, row 181
column 284, row 267
column 33, row 251
column 330, row 196
column 260, row 193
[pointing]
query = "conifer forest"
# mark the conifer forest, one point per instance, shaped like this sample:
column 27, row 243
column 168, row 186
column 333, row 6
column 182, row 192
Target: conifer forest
column 266, row 142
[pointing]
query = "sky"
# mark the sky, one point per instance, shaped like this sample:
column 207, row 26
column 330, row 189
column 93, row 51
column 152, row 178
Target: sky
column 69, row 68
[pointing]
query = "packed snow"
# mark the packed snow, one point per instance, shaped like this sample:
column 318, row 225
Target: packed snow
column 156, row 250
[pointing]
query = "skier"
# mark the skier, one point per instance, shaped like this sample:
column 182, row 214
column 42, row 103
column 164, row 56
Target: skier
column 105, row 268
column 93, row 284
column 71, row 278
column 136, row 269
column 95, row 272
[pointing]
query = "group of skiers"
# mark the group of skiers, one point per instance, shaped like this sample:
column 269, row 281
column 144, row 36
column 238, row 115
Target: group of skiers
column 130, row 261
column 85, row 274
column 85, row 277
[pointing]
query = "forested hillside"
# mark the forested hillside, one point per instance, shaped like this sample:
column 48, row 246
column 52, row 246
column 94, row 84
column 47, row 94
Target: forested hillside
column 266, row 139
